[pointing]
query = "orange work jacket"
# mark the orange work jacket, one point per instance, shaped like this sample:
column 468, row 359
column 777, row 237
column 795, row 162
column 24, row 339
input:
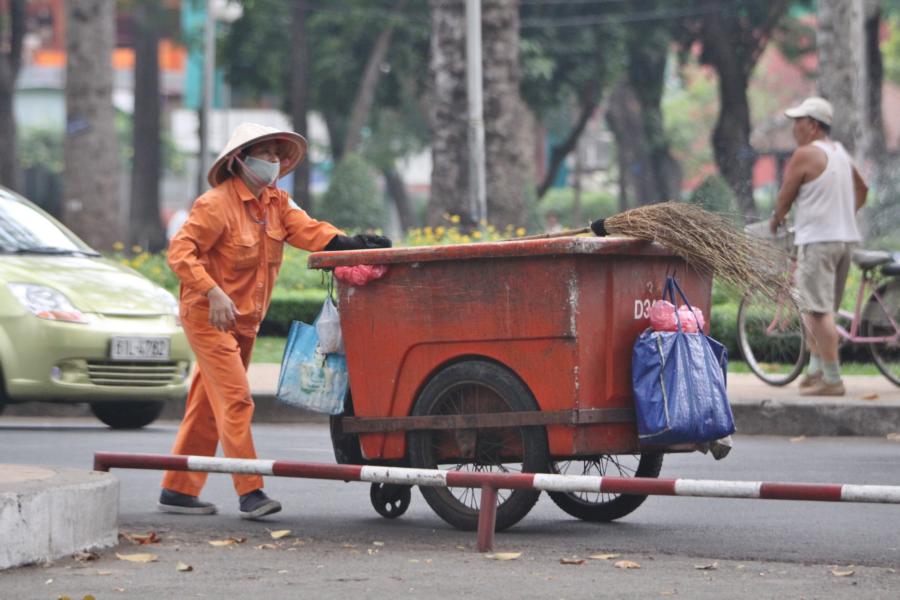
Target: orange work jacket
column 235, row 241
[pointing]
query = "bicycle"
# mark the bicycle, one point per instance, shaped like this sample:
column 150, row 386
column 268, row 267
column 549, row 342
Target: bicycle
column 771, row 335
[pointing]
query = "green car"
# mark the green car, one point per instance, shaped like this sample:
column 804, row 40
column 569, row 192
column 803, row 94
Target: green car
column 78, row 327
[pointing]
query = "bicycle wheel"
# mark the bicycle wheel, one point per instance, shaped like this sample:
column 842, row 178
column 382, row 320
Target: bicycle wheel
column 876, row 323
column 771, row 338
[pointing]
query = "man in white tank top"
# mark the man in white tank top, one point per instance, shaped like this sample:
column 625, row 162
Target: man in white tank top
column 823, row 183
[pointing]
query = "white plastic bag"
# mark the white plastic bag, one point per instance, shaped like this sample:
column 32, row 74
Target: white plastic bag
column 328, row 328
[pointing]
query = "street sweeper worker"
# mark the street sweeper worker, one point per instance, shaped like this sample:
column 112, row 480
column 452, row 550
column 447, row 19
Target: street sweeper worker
column 824, row 185
column 227, row 256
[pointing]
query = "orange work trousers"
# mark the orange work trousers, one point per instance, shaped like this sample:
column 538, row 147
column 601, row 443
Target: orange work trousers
column 219, row 407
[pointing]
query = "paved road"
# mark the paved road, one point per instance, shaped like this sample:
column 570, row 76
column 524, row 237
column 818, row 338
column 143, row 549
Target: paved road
column 762, row 548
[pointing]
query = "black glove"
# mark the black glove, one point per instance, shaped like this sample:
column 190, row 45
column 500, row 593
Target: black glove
column 598, row 228
column 360, row 241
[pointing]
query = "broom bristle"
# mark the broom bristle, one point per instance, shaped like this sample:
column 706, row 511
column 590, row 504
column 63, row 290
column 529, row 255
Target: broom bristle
column 709, row 243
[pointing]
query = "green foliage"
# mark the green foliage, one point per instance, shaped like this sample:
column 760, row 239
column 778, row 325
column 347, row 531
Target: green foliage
column 41, row 147
column 353, row 200
column 594, row 205
column 890, row 50
column 723, row 327
column 291, row 306
column 715, row 195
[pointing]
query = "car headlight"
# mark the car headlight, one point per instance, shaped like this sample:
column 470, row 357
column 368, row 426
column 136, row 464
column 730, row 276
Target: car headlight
column 46, row 303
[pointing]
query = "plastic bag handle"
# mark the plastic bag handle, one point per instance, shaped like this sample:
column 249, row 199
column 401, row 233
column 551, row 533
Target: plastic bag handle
column 670, row 288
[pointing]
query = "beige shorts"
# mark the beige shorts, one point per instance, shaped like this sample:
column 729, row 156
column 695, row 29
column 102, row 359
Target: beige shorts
column 822, row 269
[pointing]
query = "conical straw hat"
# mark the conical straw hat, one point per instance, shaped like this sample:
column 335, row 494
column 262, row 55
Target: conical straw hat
column 291, row 152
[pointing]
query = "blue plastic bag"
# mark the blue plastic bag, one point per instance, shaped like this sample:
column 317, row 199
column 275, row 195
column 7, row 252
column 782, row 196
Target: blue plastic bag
column 678, row 381
column 310, row 379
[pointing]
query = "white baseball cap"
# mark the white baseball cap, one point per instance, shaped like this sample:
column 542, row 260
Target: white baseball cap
column 813, row 107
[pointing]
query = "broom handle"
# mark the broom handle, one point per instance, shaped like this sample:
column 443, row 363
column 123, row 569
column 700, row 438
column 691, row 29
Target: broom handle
column 543, row 236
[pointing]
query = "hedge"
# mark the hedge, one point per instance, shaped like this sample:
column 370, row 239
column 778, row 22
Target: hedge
column 287, row 306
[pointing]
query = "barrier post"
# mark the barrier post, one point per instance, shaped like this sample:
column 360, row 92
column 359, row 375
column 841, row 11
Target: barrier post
column 487, row 518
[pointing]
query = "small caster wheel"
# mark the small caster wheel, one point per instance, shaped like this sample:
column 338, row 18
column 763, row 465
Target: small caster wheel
column 389, row 499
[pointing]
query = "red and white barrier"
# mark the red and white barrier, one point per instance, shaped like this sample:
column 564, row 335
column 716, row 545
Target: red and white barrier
column 491, row 482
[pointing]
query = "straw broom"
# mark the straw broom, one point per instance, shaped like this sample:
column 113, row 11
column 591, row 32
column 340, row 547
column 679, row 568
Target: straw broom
column 705, row 240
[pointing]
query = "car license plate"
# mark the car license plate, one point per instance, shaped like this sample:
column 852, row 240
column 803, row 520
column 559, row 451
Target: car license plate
column 139, row 348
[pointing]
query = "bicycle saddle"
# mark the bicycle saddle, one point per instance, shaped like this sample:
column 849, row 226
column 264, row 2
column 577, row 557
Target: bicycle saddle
column 868, row 259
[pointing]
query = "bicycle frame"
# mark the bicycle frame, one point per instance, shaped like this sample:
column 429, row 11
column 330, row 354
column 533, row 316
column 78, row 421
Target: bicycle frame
column 856, row 316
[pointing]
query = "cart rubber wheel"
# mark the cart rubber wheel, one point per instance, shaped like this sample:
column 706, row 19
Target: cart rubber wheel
column 389, row 499
column 346, row 446
column 471, row 387
column 600, row 506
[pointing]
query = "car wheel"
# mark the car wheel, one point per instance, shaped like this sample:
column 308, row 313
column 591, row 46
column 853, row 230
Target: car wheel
column 127, row 415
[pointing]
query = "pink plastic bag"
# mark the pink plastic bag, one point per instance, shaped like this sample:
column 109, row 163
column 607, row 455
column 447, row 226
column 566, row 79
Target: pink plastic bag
column 662, row 316
column 691, row 318
column 360, row 274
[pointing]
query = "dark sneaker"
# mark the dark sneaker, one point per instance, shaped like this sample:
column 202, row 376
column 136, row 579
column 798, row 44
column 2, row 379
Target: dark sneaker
column 809, row 381
column 175, row 502
column 256, row 504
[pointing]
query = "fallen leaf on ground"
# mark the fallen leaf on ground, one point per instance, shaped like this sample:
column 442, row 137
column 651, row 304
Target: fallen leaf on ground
column 85, row 556
column 414, row 560
column 348, row 545
column 894, row 437
column 144, row 557
column 89, row 597
column 227, row 541
column 571, row 561
column 183, row 567
column 799, row 438
column 710, row 567
column 378, row 543
column 277, row 535
column 627, row 564
column 503, row 555
column 842, row 572
column 606, row 556
column 372, row 551
column 140, row 538
column 869, row 396
column 266, row 547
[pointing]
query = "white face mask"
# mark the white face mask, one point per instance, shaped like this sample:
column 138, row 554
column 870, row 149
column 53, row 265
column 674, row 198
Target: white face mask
column 266, row 171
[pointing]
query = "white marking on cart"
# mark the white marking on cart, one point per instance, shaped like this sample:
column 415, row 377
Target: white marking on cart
column 214, row 464
column 573, row 304
column 405, row 476
column 871, row 493
column 567, row 483
column 722, row 489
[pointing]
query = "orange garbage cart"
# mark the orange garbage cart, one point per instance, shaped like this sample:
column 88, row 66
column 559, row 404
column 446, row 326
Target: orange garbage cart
column 504, row 356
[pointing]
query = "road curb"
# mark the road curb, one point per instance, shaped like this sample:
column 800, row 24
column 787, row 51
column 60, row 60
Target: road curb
column 47, row 513
column 775, row 417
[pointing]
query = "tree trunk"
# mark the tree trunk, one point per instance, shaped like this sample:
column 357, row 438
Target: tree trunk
column 146, row 229
column 10, row 62
column 447, row 116
column 842, row 70
column 731, row 140
column 365, row 94
column 507, row 140
column 91, row 172
column 396, row 191
column 559, row 152
column 300, row 92
column 875, row 79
